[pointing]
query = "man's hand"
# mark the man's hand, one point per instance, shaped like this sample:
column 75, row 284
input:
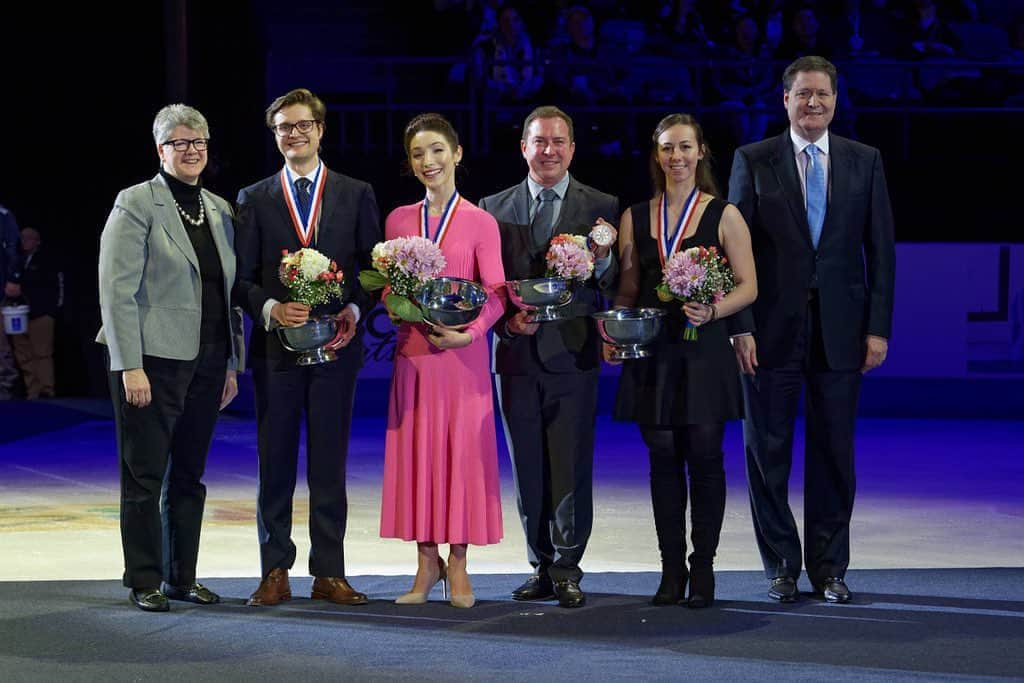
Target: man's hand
column 290, row 314
column 603, row 227
column 746, row 353
column 136, row 387
column 875, row 350
column 606, row 352
column 517, row 324
column 346, row 329
column 230, row 388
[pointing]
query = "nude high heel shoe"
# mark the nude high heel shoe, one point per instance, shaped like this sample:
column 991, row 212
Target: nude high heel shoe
column 463, row 601
column 419, row 598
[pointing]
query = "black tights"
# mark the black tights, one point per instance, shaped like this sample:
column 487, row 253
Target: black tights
column 673, row 451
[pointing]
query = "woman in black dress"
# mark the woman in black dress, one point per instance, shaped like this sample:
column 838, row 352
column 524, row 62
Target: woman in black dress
column 682, row 395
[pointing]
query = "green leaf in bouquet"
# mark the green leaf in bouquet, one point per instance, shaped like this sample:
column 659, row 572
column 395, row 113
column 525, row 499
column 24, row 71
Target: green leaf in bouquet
column 403, row 308
column 664, row 293
column 371, row 280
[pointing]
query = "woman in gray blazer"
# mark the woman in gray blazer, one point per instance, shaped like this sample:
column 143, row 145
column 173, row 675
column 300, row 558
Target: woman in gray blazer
column 167, row 266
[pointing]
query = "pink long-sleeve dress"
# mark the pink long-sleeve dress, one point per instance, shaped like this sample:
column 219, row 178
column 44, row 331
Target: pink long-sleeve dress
column 441, row 453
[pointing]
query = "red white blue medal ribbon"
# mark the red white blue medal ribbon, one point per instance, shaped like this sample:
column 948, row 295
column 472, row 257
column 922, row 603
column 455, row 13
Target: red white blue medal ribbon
column 669, row 244
column 304, row 229
column 446, row 219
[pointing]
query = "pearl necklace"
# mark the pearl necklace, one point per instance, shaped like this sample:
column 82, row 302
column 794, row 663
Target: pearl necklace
column 194, row 221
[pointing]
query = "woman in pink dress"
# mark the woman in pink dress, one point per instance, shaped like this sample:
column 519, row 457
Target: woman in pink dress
column 440, row 454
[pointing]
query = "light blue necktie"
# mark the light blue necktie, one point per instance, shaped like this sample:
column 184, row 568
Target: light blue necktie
column 816, row 193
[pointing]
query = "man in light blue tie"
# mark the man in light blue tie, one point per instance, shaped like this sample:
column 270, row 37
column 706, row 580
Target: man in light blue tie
column 822, row 232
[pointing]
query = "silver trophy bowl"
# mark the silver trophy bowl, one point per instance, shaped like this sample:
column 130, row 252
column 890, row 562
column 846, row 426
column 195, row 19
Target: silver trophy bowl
column 451, row 301
column 541, row 297
column 308, row 340
column 629, row 330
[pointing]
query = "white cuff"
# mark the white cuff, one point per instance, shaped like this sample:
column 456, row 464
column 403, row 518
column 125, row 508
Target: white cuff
column 355, row 309
column 268, row 320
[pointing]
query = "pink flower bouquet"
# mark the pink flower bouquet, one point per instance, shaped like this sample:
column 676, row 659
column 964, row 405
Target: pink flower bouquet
column 569, row 258
column 699, row 275
column 404, row 264
column 311, row 277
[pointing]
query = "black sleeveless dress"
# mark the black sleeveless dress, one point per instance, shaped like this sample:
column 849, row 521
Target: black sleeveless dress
column 682, row 382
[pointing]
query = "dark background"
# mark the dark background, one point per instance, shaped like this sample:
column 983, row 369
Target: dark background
column 82, row 84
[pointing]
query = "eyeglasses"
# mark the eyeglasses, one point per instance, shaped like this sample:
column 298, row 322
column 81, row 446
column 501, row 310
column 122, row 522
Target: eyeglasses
column 304, row 126
column 181, row 144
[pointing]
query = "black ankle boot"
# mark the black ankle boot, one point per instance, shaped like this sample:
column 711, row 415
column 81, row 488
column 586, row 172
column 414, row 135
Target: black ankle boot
column 671, row 590
column 702, row 587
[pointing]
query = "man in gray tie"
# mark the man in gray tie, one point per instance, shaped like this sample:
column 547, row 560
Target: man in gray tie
column 548, row 372
column 822, row 232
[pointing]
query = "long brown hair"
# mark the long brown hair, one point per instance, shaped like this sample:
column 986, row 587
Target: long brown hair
column 704, row 178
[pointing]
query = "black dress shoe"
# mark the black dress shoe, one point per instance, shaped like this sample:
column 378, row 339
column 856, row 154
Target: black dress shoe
column 197, row 593
column 671, row 591
column 537, row 587
column 569, row 594
column 783, row 589
column 834, row 590
column 149, row 600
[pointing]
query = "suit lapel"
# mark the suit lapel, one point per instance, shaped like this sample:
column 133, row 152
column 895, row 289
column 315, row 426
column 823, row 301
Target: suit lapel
column 168, row 214
column 784, row 163
column 572, row 205
column 291, row 240
column 840, row 172
column 521, row 201
column 330, row 202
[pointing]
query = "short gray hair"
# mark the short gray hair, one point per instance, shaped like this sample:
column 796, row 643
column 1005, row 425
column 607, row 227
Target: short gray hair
column 174, row 115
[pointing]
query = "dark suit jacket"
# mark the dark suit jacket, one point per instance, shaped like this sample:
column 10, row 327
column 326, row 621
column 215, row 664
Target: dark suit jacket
column 40, row 280
column 349, row 228
column 853, row 268
column 557, row 347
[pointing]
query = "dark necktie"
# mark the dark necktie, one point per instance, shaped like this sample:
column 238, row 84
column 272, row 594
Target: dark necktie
column 544, row 217
column 302, row 186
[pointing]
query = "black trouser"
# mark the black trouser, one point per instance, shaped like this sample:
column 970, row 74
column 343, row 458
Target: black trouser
column 162, row 450
column 771, row 398
column 324, row 395
column 550, row 422
column 674, row 451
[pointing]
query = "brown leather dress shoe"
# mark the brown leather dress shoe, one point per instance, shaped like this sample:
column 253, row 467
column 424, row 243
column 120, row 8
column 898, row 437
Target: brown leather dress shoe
column 336, row 589
column 272, row 590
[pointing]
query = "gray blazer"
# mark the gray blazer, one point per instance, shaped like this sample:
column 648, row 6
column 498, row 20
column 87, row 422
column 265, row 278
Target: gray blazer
column 150, row 286
column 569, row 346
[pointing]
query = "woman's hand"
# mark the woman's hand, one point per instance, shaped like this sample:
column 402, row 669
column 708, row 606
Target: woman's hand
column 448, row 337
column 699, row 314
column 136, row 387
column 230, row 388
